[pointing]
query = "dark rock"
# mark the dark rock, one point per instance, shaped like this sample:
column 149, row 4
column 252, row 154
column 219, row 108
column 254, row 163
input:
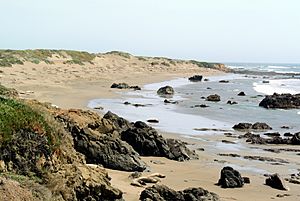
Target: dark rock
column 147, row 142
column 246, row 180
column 126, row 103
column 241, row 93
column 273, row 150
column 138, row 105
column 296, row 139
column 201, row 106
column 261, row 126
column 278, row 140
column 224, row 81
column 170, row 101
column 206, row 80
column 108, row 151
column 214, row 98
column 276, row 134
column 265, row 158
column 230, row 178
column 99, row 141
column 282, row 195
column 242, row 126
column 231, row 102
column 228, row 134
column 255, row 126
column 265, row 81
column 135, row 87
column 288, row 135
column 165, row 91
column 275, row 181
column 163, row 193
column 285, row 127
column 120, row 85
column 283, row 101
column 196, row 78
column 124, row 86
column 153, row 120
column 118, row 123
column 179, row 151
column 230, row 155
column 228, row 142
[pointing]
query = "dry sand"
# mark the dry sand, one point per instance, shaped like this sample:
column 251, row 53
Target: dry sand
column 72, row 86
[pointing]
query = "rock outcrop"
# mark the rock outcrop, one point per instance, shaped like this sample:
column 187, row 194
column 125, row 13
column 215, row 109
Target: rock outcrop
column 98, row 139
column 230, row 178
column 82, row 182
column 163, row 193
column 283, row 101
column 147, row 142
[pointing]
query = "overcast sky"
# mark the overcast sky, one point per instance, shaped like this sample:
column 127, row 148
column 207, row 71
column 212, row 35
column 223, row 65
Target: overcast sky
column 211, row 30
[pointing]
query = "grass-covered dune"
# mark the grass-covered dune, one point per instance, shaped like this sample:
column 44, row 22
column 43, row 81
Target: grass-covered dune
column 8, row 58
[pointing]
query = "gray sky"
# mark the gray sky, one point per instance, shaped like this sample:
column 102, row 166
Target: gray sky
column 211, row 30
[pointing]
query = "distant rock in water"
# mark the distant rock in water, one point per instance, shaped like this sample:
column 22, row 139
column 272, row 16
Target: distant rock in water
column 213, row 98
column 164, row 193
column 231, row 102
column 166, row 91
column 283, row 101
column 230, row 178
column 223, row 81
column 241, row 93
column 153, row 120
column 196, row 78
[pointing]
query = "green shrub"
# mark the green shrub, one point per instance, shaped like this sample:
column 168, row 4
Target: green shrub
column 122, row 54
column 16, row 116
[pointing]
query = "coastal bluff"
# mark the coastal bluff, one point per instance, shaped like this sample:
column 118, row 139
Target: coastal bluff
column 48, row 153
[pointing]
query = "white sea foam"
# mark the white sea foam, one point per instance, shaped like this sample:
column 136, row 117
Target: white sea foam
column 278, row 86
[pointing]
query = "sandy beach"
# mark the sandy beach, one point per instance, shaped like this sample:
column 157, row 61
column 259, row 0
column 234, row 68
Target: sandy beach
column 74, row 85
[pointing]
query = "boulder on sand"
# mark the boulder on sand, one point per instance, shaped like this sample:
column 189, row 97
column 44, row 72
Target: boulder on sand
column 164, row 193
column 275, row 181
column 230, row 178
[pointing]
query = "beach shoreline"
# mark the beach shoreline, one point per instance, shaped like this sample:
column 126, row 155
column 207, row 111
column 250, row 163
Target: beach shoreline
column 75, row 93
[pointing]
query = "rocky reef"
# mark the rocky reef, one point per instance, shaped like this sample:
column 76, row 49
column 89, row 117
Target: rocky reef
column 282, row 101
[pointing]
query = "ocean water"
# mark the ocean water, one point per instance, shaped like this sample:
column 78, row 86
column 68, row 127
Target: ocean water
column 184, row 119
